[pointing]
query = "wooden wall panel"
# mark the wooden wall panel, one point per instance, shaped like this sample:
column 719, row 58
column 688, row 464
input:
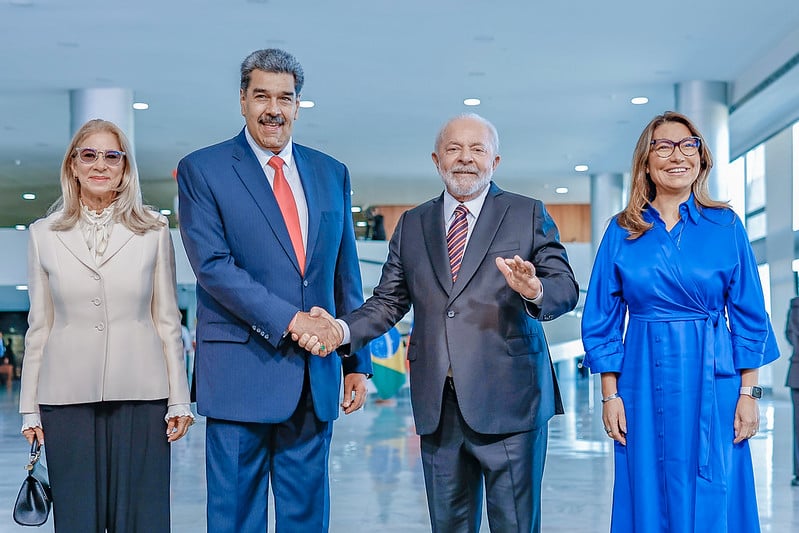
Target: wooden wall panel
column 573, row 220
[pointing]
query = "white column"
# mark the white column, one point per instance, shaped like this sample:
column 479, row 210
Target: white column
column 112, row 104
column 607, row 199
column 705, row 103
column 779, row 249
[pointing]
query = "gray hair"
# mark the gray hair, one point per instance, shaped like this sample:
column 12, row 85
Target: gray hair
column 473, row 116
column 272, row 60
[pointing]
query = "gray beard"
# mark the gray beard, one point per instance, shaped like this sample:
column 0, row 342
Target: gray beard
column 465, row 188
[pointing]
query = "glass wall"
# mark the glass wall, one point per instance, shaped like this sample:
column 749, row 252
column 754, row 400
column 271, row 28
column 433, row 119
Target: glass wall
column 755, row 170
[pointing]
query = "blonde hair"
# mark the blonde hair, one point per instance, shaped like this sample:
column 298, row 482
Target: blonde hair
column 129, row 209
column 643, row 190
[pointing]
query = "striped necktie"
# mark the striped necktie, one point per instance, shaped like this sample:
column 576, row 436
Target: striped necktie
column 288, row 207
column 456, row 239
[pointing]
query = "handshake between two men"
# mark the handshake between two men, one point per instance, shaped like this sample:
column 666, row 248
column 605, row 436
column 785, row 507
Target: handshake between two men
column 319, row 333
column 316, row 331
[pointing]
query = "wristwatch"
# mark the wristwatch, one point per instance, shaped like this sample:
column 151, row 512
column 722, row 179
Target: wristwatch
column 755, row 392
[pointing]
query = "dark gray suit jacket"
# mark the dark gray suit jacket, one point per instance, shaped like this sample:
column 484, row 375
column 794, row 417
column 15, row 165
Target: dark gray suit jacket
column 489, row 335
column 792, row 332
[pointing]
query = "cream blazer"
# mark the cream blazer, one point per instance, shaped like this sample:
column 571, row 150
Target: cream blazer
column 101, row 331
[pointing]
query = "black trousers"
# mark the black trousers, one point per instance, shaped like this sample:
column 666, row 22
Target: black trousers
column 795, row 398
column 109, row 466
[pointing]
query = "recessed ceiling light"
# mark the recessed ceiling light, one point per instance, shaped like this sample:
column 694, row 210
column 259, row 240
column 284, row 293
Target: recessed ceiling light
column 581, row 168
column 471, row 101
column 639, row 100
column 28, row 196
column 361, row 224
column 20, row 227
column 140, row 106
column 356, row 209
column 307, row 103
column 562, row 190
column 166, row 212
column 17, row 162
column 22, row 287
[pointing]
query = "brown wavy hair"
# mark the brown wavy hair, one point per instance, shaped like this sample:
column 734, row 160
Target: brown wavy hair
column 643, row 190
column 130, row 211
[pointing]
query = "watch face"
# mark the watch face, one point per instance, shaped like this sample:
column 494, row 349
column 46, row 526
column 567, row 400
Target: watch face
column 757, row 392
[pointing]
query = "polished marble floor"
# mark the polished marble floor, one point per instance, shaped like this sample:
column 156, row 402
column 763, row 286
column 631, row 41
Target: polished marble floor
column 376, row 477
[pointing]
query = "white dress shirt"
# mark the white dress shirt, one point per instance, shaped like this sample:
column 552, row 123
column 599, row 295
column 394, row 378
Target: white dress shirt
column 292, row 177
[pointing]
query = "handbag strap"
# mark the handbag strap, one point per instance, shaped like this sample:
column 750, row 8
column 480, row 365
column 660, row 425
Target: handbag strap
column 36, row 452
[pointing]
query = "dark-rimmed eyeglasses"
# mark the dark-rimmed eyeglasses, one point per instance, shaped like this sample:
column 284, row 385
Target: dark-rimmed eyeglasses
column 89, row 155
column 664, row 147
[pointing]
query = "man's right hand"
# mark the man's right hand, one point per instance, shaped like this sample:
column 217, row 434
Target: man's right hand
column 316, row 331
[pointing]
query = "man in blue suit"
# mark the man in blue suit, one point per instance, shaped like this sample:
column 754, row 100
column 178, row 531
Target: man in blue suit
column 268, row 230
column 481, row 267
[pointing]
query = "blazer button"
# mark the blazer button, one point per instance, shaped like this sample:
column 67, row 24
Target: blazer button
column 305, row 283
column 100, row 326
column 254, row 327
column 266, row 336
column 96, row 301
column 96, row 276
column 450, row 314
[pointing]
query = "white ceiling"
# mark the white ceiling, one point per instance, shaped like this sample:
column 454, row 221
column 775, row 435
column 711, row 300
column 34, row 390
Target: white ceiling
column 555, row 77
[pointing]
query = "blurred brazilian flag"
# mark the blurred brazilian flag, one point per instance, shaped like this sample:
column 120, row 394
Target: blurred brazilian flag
column 388, row 363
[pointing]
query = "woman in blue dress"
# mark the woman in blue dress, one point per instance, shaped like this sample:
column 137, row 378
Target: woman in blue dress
column 679, row 387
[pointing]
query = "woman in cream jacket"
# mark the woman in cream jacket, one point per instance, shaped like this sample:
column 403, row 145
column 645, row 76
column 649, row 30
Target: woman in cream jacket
column 103, row 376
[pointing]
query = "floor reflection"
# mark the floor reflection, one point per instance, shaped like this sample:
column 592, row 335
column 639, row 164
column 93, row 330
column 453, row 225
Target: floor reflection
column 376, row 472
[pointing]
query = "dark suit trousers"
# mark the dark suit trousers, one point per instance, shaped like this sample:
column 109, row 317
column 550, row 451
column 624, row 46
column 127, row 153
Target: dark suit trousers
column 457, row 461
column 109, row 466
column 795, row 398
column 241, row 458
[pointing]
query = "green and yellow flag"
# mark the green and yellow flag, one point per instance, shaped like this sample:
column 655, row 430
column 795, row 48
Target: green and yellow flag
column 388, row 363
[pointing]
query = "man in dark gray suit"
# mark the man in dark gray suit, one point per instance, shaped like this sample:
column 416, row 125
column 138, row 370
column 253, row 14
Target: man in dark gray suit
column 792, row 332
column 482, row 383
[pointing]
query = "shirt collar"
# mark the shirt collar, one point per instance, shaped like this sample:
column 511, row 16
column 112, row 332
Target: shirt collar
column 651, row 214
column 474, row 205
column 691, row 207
column 264, row 156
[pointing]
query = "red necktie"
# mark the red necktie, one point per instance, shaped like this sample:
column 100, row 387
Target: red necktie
column 285, row 199
column 456, row 239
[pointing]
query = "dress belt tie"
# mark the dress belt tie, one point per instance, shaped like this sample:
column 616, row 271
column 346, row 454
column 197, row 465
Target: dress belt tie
column 717, row 360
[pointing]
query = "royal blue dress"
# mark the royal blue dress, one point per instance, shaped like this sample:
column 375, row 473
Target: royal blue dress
column 679, row 368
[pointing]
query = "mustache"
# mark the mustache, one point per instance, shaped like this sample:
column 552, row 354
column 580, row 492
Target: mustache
column 463, row 168
column 272, row 120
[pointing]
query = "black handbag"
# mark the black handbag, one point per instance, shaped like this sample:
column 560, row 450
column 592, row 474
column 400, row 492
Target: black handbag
column 34, row 499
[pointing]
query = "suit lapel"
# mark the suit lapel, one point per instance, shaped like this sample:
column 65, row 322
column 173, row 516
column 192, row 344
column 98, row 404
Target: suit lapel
column 72, row 239
column 485, row 228
column 246, row 166
column 436, row 242
column 120, row 235
column 310, row 183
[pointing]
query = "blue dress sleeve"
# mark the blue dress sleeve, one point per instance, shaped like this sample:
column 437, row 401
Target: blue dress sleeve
column 605, row 308
column 753, row 341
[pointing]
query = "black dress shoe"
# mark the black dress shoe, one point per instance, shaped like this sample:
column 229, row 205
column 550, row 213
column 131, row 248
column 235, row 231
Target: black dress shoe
column 795, row 481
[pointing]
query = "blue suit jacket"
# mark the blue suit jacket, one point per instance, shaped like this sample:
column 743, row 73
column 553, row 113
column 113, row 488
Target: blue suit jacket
column 249, row 284
column 478, row 326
